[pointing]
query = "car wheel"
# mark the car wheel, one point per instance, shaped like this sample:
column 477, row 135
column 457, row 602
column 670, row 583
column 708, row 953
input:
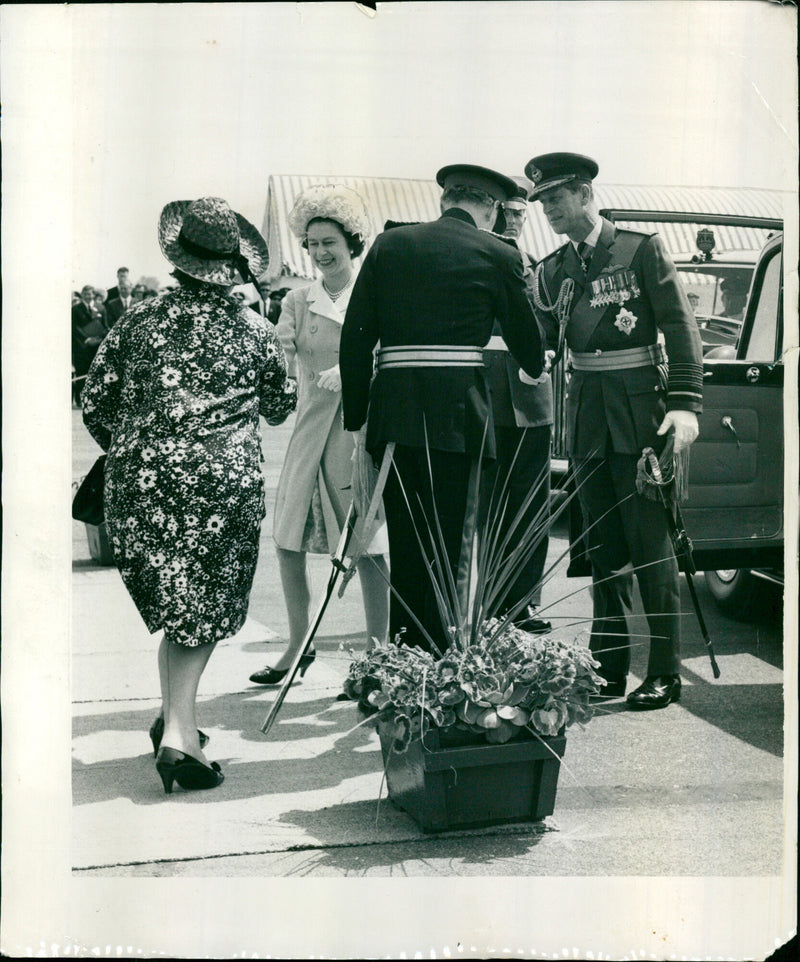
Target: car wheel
column 734, row 590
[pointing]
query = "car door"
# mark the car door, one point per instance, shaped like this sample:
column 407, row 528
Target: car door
column 734, row 514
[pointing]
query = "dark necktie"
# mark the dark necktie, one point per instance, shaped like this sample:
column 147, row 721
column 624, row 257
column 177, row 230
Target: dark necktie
column 585, row 253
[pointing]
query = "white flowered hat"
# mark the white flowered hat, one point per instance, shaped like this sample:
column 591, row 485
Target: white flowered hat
column 330, row 202
column 208, row 240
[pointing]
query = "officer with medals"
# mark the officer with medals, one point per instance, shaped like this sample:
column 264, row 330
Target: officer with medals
column 523, row 414
column 430, row 293
column 607, row 295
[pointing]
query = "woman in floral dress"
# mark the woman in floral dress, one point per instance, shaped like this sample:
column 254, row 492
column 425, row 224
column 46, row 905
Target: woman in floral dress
column 174, row 397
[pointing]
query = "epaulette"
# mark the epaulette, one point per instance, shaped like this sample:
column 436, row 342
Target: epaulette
column 638, row 233
column 509, row 241
column 391, row 224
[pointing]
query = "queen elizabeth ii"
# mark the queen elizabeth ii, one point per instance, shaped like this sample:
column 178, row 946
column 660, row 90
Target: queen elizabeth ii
column 314, row 490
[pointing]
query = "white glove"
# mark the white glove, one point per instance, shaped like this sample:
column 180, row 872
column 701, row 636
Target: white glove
column 548, row 361
column 359, row 440
column 685, row 426
column 330, row 380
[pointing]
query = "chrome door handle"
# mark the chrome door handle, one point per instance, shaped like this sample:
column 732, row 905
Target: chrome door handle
column 753, row 374
column 727, row 422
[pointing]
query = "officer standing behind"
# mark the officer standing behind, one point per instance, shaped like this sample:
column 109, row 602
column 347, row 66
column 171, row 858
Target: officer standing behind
column 430, row 294
column 607, row 294
column 523, row 414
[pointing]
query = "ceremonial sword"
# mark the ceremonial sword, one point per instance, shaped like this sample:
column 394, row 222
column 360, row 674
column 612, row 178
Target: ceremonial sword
column 337, row 567
column 682, row 545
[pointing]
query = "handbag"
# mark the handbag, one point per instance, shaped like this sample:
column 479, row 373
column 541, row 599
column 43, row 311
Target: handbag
column 87, row 505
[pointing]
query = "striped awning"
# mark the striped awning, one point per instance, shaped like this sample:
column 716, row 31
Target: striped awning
column 418, row 200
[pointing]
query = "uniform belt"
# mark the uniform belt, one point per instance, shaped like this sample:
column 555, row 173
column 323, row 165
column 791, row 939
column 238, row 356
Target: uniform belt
column 429, row 355
column 619, row 360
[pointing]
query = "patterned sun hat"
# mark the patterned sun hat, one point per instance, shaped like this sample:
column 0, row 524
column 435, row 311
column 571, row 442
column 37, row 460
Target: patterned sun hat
column 330, row 202
column 208, row 240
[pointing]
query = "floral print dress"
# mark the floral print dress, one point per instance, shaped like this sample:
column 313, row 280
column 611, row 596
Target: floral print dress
column 174, row 396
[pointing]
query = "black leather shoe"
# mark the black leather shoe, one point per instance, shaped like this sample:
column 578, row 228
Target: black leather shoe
column 657, row 691
column 613, row 688
column 527, row 621
column 188, row 772
column 274, row 676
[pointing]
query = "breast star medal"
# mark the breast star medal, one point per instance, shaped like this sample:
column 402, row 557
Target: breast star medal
column 626, row 321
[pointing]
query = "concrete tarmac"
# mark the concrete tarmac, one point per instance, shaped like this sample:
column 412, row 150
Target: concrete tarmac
column 692, row 790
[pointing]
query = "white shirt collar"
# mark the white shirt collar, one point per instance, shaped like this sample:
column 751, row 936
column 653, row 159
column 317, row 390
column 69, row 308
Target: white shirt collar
column 593, row 236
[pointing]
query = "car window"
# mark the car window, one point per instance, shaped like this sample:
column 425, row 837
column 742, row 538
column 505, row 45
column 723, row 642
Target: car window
column 762, row 343
column 704, row 286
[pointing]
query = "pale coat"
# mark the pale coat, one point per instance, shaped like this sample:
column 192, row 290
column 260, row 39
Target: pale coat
column 309, row 329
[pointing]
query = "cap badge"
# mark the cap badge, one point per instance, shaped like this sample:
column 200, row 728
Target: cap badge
column 535, row 174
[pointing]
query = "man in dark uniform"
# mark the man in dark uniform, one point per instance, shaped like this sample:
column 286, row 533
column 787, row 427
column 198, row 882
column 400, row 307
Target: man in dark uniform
column 609, row 294
column 430, row 294
column 523, row 414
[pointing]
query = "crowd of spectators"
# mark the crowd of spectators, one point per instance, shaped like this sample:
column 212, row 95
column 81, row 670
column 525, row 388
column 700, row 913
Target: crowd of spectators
column 95, row 310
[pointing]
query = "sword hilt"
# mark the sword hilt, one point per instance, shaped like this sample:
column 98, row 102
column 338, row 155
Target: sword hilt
column 347, row 573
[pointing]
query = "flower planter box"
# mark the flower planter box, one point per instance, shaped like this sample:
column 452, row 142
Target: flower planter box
column 99, row 546
column 469, row 784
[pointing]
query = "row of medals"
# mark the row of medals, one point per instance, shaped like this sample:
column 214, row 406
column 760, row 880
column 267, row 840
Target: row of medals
column 614, row 288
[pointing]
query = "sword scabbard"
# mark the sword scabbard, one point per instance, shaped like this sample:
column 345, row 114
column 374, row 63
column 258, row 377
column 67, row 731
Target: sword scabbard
column 337, row 566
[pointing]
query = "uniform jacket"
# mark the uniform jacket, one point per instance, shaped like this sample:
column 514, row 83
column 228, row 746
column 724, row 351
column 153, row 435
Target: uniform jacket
column 621, row 410
column 309, row 329
column 444, row 283
column 515, row 404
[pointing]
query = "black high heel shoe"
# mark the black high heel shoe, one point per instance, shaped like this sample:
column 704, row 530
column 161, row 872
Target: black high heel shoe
column 274, row 676
column 188, row 772
column 157, row 733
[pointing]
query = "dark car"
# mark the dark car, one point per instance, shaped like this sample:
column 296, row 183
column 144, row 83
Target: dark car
column 734, row 515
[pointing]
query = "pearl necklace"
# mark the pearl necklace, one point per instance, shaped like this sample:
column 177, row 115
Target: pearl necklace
column 335, row 295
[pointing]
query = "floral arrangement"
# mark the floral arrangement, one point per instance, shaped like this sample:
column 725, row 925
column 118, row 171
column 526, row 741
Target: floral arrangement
column 495, row 679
